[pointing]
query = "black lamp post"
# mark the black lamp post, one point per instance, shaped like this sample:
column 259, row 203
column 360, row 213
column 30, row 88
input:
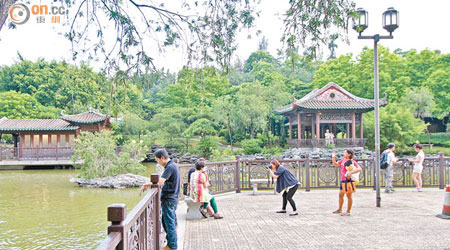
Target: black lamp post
column 390, row 23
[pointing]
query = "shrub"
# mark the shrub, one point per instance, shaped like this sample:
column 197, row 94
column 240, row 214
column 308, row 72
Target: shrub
column 251, row 146
column 223, row 154
column 437, row 139
column 98, row 153
column 206, row 146
column 274, row 151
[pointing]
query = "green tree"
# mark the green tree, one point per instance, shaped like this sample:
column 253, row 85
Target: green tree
column 420, row 101
column 439, row 83
column 397, row 124
column 15, row 105
column 201, row 127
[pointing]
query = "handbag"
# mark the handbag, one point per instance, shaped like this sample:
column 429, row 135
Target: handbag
column 185, row 189
column 349, row 186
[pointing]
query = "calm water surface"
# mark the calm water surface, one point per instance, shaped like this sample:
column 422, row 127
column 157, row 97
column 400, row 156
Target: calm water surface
column 41, row 209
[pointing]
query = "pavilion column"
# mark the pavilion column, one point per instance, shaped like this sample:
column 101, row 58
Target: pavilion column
column 318, row 126
column 21, row 145
column 361, row 129
column 41, row 140
column 299, row 129
column 353, row 126
column 290, row 128
column 49, row 142
column 32, row 140
column 347, row 131
column 312, row 128
column 58, row 140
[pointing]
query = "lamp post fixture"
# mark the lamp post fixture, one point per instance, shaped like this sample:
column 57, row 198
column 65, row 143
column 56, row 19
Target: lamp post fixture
column 390, row 23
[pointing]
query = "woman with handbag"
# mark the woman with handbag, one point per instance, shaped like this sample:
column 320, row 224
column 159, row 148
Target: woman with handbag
column 347, row 185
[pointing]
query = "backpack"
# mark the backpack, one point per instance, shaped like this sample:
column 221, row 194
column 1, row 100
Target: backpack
column 383, row 160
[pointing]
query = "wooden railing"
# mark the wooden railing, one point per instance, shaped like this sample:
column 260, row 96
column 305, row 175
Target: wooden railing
column 36, row 153
column 141, row 228
column 307, row 143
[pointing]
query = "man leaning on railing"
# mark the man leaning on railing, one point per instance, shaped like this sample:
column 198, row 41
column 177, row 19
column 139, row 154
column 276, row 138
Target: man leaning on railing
column 170, row 182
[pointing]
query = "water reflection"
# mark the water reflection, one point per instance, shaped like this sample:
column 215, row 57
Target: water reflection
column 41, row 209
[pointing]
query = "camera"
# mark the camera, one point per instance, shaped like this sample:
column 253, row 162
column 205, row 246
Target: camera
column 269, row 166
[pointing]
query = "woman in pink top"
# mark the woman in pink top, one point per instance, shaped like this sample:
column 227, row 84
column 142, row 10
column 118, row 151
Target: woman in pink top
column 345, row 177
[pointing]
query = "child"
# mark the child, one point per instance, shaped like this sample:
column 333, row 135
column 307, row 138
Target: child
column 349, row 167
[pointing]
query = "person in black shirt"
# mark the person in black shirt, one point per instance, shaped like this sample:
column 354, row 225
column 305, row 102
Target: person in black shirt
column 170, row 182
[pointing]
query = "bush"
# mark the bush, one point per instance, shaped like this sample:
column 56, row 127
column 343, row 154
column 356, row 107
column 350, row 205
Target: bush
column 206, row 146
column 274, row 151
column 437, row 139
column 223, row 154
column 98, row 153
column 397, row 124
column 251, row 146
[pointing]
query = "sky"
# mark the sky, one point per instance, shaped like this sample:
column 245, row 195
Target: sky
column 422, row 25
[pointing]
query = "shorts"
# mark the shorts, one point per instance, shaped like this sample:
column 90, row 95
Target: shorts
column 418, row 169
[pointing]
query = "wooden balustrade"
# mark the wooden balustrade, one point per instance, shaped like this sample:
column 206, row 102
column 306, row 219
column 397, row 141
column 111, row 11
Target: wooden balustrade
column 141, row 228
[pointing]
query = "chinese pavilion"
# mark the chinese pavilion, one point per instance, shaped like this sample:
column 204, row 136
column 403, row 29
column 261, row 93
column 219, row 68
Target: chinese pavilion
column 330, row 108
column 48, row 138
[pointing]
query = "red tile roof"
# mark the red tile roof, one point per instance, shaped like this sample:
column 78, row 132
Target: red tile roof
column 320, row 99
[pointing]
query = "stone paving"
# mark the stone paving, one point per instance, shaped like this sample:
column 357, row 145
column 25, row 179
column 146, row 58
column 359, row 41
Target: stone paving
column 406, row 220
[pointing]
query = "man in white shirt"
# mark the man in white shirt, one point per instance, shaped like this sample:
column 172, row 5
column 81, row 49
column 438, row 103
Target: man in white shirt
column 389, row 171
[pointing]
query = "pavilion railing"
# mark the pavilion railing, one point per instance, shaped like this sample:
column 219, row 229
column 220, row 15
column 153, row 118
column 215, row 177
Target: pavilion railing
column 35, row 153
column 141, row 228
column 308, row 143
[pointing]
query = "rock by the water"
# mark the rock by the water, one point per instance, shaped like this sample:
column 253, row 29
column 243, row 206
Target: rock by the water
column 118, row 181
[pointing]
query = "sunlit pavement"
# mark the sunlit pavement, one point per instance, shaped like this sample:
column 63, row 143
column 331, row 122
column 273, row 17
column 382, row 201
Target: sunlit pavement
column 406, row 220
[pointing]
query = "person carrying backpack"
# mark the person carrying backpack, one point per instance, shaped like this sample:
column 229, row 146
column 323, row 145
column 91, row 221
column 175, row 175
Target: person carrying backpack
column 387, row 161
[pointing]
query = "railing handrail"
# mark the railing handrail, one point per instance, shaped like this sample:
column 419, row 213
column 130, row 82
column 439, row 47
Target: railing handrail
column 121, row 223
column 111, row 241
column 141, row 206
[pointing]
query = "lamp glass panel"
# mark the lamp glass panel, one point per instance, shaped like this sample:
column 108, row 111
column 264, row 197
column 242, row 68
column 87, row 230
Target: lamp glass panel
column 394, row 18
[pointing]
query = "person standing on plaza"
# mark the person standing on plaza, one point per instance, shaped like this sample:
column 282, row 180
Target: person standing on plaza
column 418, row 166
column 345, row 178
column 170, row 182
column 389, row 171
column 286, row 182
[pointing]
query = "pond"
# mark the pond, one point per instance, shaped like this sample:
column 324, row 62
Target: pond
column 41, row 209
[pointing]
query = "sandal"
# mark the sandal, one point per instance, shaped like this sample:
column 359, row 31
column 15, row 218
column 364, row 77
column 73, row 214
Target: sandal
column 293, row 214
column 281, row 212
column 337, row 212
column 203, row 213
column 345, row 214
column 217, row 217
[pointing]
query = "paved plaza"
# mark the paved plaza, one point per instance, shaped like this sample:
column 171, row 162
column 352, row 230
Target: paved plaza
column 406, row 220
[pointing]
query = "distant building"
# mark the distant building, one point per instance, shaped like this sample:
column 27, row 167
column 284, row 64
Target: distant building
column 49, row 138
column 332, row 108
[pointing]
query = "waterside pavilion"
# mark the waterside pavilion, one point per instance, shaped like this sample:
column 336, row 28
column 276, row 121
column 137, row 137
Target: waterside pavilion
column 330, row 107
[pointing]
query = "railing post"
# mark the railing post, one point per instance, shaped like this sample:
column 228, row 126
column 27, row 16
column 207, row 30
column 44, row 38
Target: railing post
column 374, row 158
column 154, row 178
column 117, row 214
column 441, row 171
column 237, row 175
column 308, row 184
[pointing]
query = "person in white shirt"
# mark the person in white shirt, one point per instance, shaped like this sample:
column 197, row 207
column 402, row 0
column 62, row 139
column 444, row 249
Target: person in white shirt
column 389, row 171
column 418, row 166
column 329, row 137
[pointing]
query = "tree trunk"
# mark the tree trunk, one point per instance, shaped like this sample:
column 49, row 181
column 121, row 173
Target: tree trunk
column 4, row 9
column 229, row 133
